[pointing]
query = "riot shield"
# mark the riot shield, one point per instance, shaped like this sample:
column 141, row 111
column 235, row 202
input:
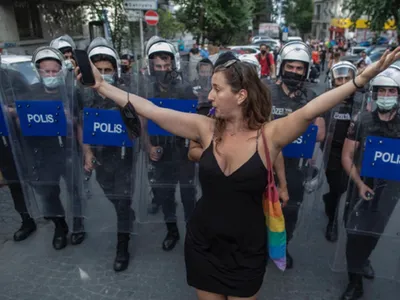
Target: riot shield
column 332, row 178
column 17, row 197
column 165, row 163
column 43, row 135
column 369, row 237
column 302, row 159
column 113, row 156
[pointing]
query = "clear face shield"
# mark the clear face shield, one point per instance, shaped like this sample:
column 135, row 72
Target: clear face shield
column 49, row 63
column 342, row 75
column 51, row 75
column 203, row 88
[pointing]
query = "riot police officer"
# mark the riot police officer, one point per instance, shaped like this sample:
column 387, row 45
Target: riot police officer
column 339, row 74
column 289, row 94
column 115, row 165
column 50, row 158
column 202, row 85
column 372, row 195
column 127, row 74
column 66, row 46
column 9, row 80
column 168, row 153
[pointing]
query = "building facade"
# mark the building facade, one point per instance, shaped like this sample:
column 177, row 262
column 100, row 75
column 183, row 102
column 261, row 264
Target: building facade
column 27, row 24
column 324, row 12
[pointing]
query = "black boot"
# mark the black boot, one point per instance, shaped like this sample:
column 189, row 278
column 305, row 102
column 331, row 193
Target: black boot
column 331, row 233
column 28, row 226
column 289, row 260
column 368, row 272
column 60, row 233
column 79, row 233
column 121, row 261
column 354, row 288
column 172, row 237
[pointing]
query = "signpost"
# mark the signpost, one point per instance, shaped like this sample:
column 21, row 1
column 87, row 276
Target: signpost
column 134, row 15
column 151, row 17
column 140, row 5
column 134, row 10
column 285, row 34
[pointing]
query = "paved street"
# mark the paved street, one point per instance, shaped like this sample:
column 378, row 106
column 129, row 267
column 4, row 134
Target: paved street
column 32, row 269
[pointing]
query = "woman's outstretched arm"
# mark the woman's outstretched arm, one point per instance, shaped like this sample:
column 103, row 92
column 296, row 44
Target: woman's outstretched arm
column 285, row 130
column 187, row 125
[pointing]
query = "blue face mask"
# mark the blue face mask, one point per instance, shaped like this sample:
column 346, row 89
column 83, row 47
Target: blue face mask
column 52, row 82
column 108, row 78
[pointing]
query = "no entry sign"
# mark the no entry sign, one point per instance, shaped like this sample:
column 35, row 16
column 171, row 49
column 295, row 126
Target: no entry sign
column 151, row 17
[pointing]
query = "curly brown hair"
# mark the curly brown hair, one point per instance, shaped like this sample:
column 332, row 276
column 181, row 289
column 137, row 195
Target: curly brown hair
column 256, row 109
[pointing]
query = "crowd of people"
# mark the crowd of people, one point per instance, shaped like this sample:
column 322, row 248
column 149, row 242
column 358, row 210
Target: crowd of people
column 248, row 111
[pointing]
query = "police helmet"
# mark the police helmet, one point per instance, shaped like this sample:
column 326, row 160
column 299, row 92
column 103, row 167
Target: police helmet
column 157, row 45
column 100, row 49
column 47, row 53
column 251, row 59
column 63, row 43
column 388, row 78
column 294, row 51
column 341, row 69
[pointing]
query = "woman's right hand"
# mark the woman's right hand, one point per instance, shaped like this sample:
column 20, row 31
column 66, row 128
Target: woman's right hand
column 97, row 76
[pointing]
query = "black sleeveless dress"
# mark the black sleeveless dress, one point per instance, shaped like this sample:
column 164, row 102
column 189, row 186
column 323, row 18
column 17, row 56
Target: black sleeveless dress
column 225, row 246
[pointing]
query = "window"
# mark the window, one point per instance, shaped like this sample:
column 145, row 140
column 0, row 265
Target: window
column 318, row 12
column 28, row 20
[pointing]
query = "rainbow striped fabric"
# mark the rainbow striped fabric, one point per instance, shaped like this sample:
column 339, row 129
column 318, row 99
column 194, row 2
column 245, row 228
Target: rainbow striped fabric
column 275, row 222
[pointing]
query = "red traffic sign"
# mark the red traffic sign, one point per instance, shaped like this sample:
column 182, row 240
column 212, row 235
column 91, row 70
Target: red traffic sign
column 151, row 17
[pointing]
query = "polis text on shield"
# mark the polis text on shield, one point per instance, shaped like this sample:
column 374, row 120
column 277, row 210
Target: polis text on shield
column 107, row 128
column 39, row 118
column 387, row 157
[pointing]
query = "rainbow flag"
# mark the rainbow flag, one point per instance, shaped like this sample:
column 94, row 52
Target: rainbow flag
column 276, row 233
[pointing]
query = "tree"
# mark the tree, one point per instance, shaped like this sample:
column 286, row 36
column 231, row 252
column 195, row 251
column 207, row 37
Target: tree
column 378, row 12
column 62, row 18
column 214, row 20
column 298, row 14
column 264, row 12
column 119, row 28
column 168, row 25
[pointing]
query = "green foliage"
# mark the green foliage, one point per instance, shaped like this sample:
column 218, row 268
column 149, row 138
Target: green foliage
column 61, row 18
column 168, row 25
column 378, row 11
column 217, row 21
column 264, row 12
column 116, row 17
column 298, row 14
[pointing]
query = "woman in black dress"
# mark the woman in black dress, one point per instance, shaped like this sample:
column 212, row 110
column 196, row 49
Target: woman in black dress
column 225, row 247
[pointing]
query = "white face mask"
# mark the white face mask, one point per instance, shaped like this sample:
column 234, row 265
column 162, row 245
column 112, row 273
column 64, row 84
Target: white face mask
column 386, row 102
column 52, row 82
column 68, row 64
column 108, row 78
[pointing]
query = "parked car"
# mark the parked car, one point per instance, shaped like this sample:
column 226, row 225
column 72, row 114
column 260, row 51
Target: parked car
column 23, row 65
column 270, row 42
column 260, row 37
column 355, row 51
column 376, row 56
column 380, row 41
column 249, row 49
column 375, row 49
